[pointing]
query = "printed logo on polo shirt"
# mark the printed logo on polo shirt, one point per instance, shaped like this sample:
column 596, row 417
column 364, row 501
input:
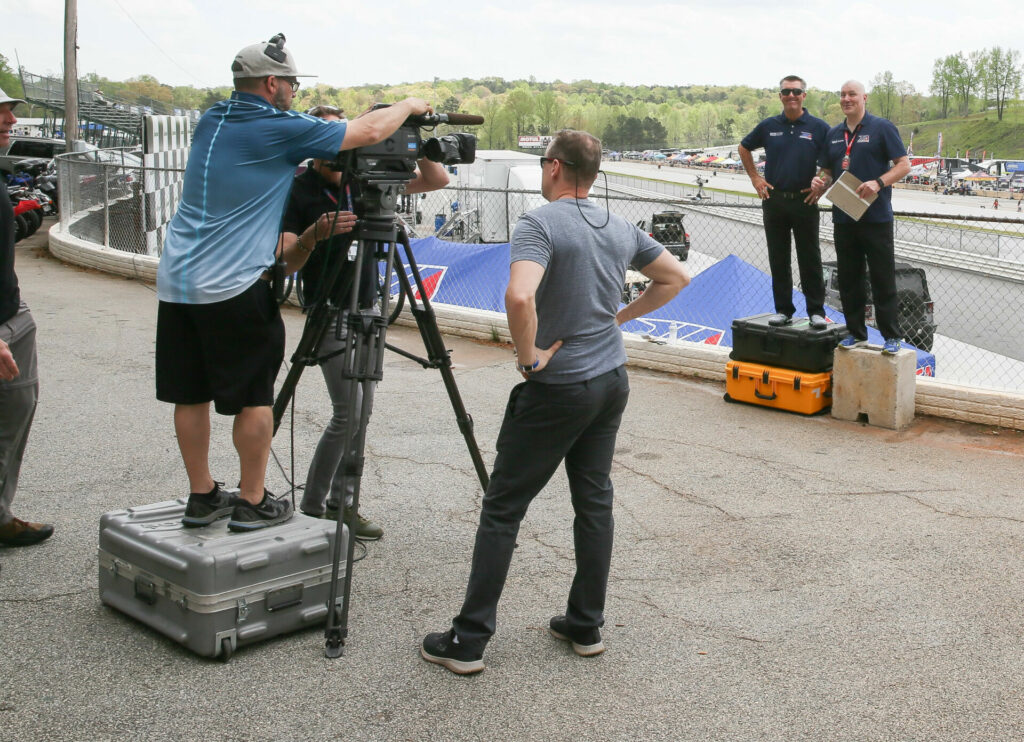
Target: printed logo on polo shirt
column 863, row 138
column 837, row 141
column 775, row 133
column 806, row 135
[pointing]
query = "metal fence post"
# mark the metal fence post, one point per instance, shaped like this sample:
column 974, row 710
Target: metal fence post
column 106, row 208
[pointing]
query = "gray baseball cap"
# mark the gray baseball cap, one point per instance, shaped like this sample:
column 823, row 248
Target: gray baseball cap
column 266, row 58
column 4, row 98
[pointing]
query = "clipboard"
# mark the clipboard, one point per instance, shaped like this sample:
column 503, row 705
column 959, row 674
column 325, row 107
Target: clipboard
column 843, row 194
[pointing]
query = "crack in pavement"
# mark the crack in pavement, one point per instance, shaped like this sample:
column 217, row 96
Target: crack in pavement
column 687, row 496
column 964, row 516
column 712, row 631
column 44, row 598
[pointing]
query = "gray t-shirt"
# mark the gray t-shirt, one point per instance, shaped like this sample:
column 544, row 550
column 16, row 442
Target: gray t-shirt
column 585, row 268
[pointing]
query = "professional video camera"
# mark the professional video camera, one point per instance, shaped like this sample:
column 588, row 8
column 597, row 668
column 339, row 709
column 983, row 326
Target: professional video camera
column 394, row 159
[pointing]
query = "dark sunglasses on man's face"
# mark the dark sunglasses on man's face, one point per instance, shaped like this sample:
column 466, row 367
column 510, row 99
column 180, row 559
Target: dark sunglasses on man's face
column 293, row 84
column 792, row 91
column 545, row 160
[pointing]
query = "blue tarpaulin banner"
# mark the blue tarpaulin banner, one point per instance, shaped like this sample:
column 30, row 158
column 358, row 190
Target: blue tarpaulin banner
column 475, row 276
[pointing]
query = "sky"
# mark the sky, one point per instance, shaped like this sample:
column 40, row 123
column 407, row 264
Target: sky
column 712, row 42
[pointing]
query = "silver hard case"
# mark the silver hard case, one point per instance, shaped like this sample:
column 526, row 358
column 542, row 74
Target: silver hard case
column 213, row 590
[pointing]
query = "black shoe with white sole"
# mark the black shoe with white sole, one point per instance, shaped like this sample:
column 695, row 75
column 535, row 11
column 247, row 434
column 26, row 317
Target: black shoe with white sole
column 585, row 642
column 443, row 648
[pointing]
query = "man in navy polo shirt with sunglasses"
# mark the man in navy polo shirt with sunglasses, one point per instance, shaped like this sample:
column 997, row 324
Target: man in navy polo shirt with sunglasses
column 220, row 337
column 865, row 145
column 792, row 142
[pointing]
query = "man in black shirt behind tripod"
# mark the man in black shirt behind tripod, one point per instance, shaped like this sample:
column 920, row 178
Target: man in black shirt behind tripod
column 320, row 206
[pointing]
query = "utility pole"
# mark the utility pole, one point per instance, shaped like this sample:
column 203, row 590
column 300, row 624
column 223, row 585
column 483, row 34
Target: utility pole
column 70, row 72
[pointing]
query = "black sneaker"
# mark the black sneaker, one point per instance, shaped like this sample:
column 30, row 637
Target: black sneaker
column 585, row 642
column 248, row 517
column 204, row 508
column 443, row 649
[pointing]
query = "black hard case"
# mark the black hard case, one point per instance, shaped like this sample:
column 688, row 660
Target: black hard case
column 213, row 590
column 796, row 346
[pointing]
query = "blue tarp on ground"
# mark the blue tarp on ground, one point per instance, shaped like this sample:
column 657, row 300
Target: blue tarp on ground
column 476, row 276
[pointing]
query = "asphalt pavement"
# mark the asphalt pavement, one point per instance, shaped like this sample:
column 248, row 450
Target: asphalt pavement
column 775, row 577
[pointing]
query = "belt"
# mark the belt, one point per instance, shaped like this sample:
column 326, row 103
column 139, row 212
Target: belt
column 267, row 276
column 788, row 194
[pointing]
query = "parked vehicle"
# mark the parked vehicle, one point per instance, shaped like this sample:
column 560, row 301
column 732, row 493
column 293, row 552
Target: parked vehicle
column 35, row 178
column 27, row 217
column 667, row 228
column 25, row 148
column 914, row 303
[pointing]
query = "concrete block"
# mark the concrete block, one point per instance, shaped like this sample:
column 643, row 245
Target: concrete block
column 880, row 387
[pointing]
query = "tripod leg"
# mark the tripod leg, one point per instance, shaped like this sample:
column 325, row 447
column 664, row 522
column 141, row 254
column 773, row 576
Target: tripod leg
column 363, row 356
column 439, row 357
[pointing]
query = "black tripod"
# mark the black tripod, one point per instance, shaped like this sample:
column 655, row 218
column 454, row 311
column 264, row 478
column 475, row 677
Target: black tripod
column 378, row 235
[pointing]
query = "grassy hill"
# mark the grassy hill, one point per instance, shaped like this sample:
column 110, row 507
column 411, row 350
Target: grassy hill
column 978, row 132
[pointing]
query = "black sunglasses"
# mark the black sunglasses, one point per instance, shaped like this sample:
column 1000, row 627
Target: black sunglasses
column 545, row 160
column 294, row 85
column 791, row 91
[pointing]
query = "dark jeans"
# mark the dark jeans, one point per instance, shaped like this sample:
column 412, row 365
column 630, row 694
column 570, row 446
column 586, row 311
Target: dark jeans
column 783, row 216
column 870, row 242
column 544, row 424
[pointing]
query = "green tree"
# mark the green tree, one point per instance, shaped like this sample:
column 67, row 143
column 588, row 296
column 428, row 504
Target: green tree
column 942, row 83
column 10, row 82
column 905, row 93
column 519, row 105
column 702, row 124
column 450, row 105
column 966, row 76
column 883, row 94
column 1003, row 73
column 550, row 112
column 820, row 102
column 492, row 109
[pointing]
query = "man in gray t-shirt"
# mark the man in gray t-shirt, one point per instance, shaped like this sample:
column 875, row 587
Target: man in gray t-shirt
column 569, row 260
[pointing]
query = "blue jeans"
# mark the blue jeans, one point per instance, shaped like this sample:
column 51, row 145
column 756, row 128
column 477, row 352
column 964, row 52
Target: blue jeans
column 544, row 424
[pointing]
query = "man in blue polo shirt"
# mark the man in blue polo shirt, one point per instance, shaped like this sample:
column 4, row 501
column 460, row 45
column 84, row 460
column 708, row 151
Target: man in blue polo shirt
column 870, row 148
column 220, row 336
column 792, row 141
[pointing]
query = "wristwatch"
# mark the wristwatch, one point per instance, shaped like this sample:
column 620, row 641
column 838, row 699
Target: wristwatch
column 529, row 368
column 881, row 183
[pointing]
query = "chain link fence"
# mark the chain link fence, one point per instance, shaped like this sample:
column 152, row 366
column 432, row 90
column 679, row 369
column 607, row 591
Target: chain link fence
column 960, row 278
column 102, row 198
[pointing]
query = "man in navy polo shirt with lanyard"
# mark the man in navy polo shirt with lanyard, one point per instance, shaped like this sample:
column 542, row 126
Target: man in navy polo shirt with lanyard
column 865, row 145
column 219, row 335
column 792, row 142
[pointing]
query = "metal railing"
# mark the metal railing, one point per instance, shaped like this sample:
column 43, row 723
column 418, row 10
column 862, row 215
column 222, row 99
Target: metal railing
column 102, row 199
column 961, row 278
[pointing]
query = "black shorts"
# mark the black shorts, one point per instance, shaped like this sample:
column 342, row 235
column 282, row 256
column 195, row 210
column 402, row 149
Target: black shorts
column 228, row 352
